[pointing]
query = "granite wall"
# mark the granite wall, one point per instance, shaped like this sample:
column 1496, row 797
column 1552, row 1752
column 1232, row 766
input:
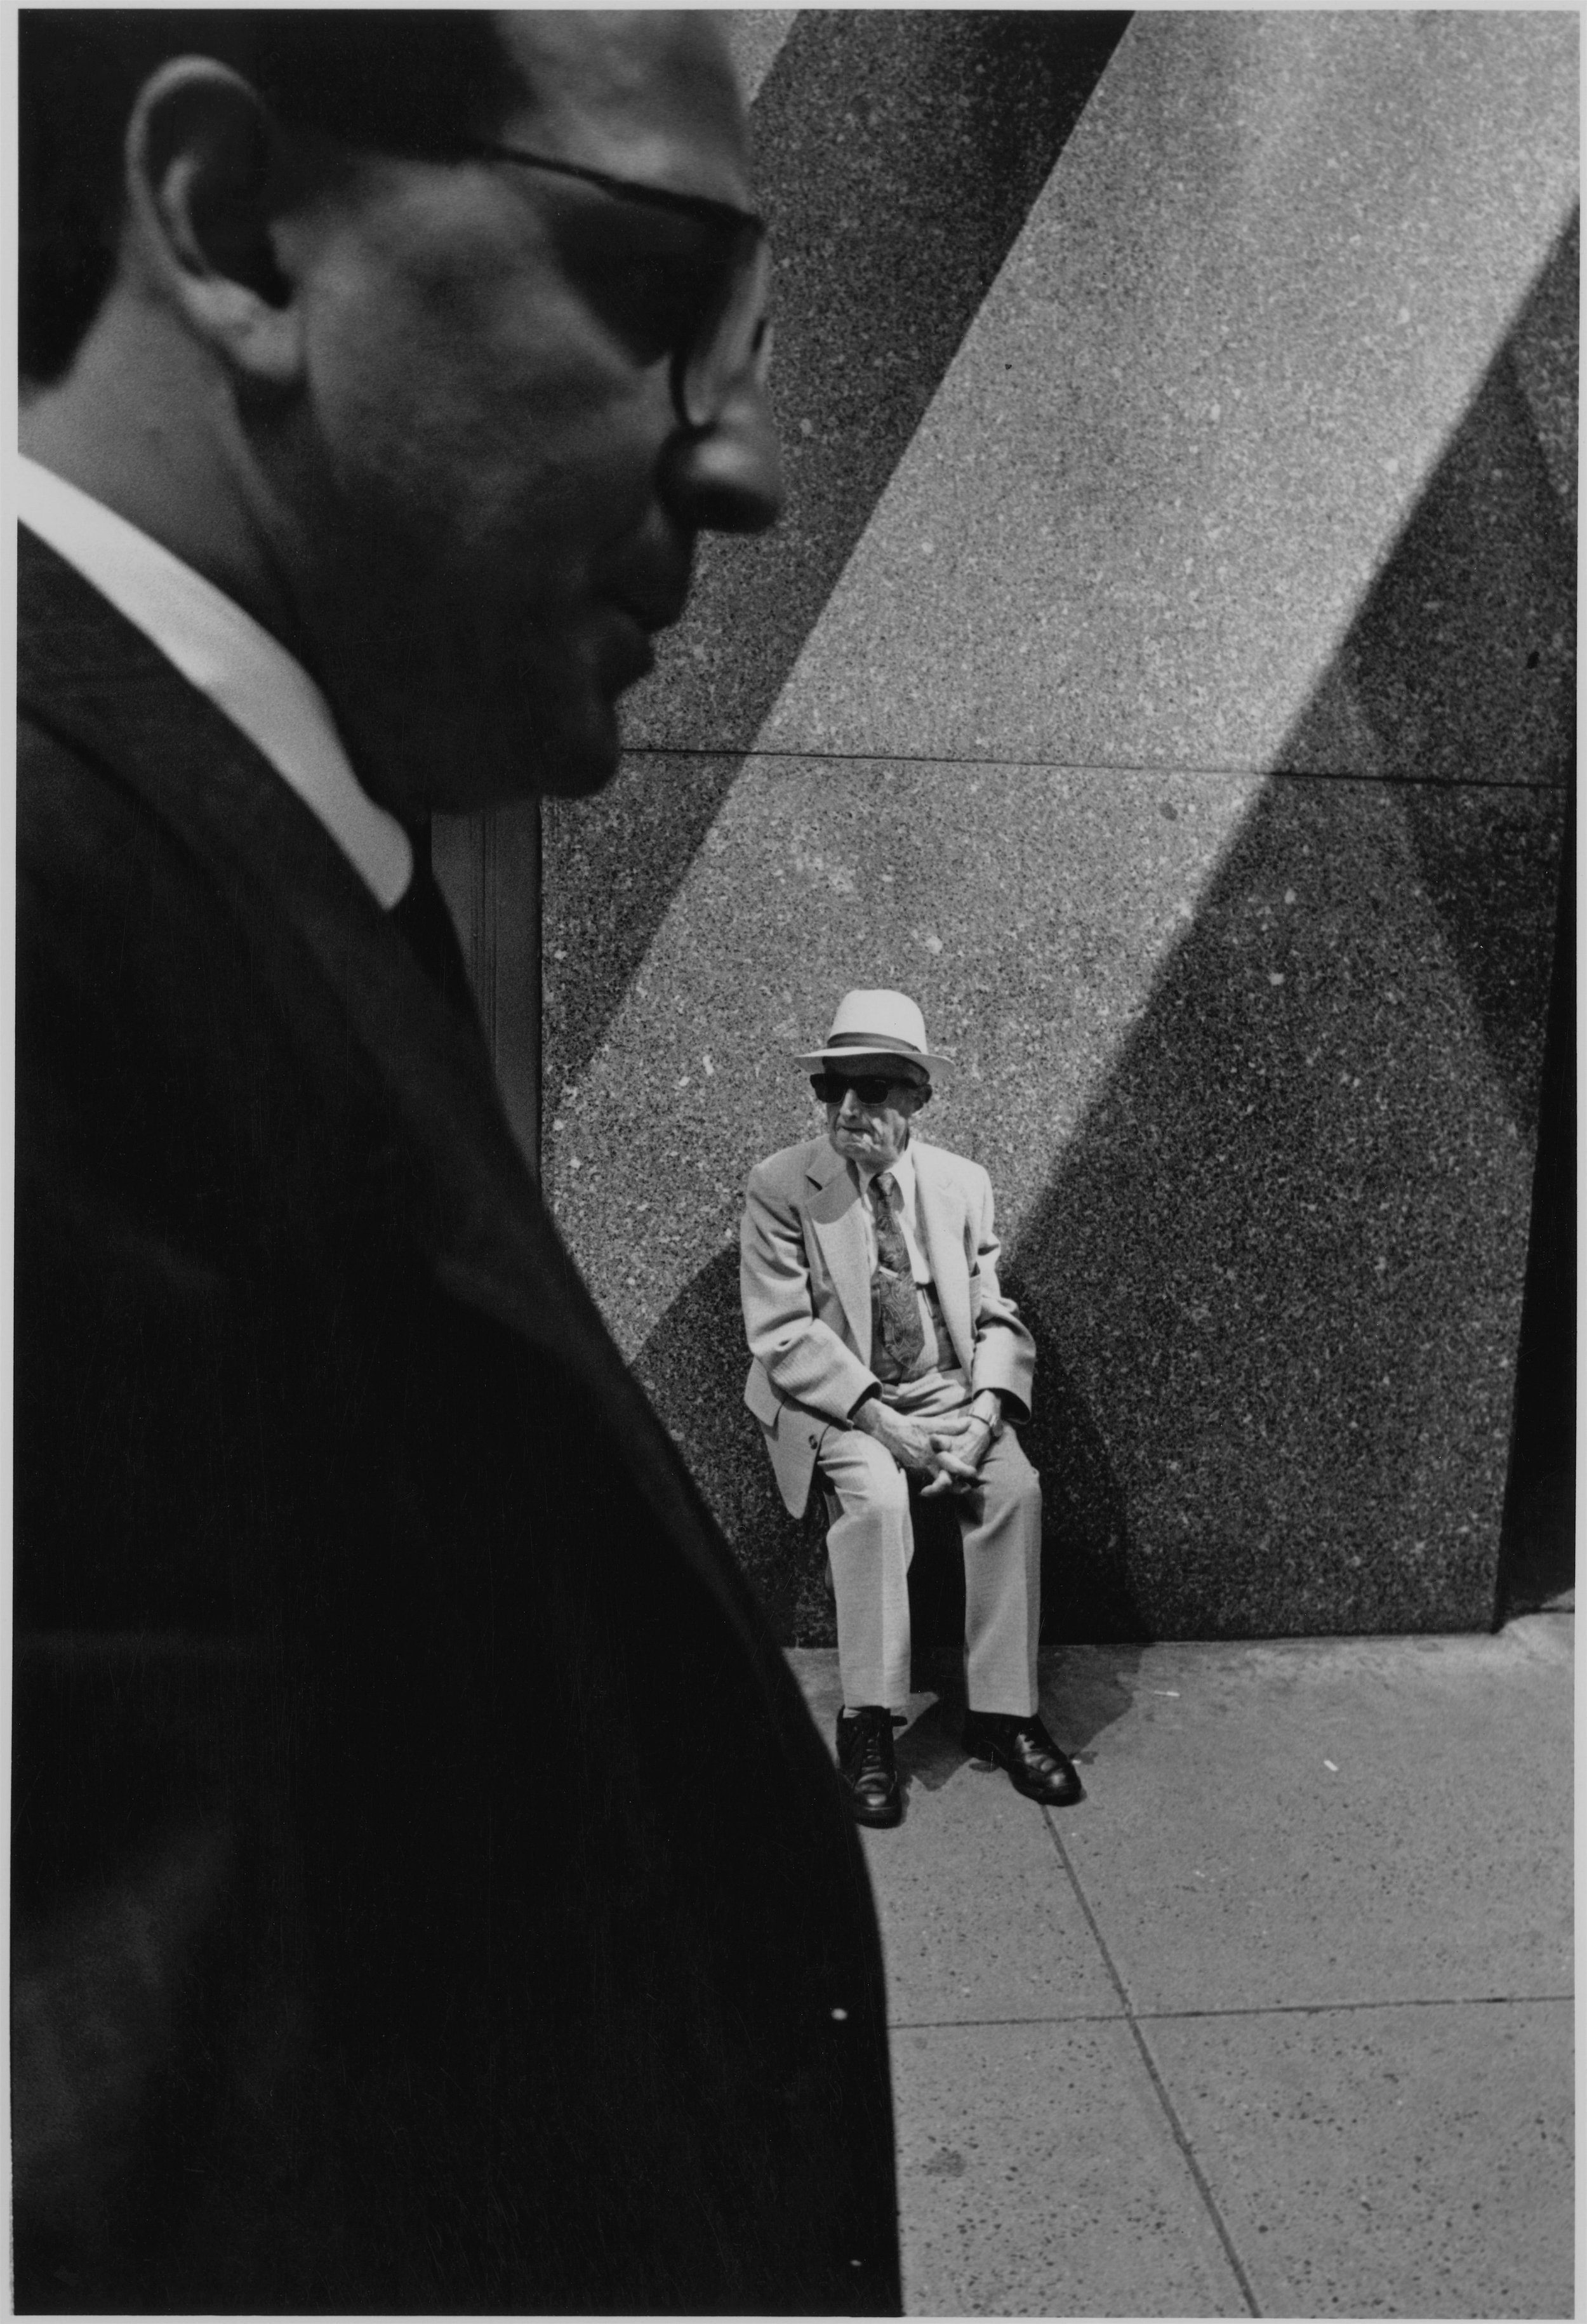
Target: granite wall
column 1164, row 672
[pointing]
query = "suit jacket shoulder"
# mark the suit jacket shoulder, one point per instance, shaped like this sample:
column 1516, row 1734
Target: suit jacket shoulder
column 792, row 1166
column 940, row 1167
column 793, row 1170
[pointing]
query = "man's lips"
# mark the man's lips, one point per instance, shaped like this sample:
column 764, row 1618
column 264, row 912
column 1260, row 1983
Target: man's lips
column 627, row 654
column 651, row 609
column 637, row 612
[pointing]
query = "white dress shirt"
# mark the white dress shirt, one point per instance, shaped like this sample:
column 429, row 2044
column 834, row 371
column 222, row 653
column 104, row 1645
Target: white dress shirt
column 224, row 652
column 904, row 1210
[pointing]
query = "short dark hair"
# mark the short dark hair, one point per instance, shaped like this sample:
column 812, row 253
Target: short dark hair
column 395, row 80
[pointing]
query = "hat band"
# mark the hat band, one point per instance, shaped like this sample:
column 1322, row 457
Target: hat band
column 892, row 1044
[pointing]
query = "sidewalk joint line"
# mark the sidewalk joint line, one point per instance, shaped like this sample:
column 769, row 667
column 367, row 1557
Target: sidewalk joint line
column 1334, row 2009
column 1250, row 2009
column 1181, row 2137
column 961, row 2024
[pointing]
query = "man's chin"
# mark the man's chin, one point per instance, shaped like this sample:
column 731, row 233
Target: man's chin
column 558, row 758
column 449, row 752
column 577, row 753
column 577, row 774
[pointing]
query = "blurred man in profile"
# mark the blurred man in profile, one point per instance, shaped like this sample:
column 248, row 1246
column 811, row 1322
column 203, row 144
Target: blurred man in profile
column 428, row 1891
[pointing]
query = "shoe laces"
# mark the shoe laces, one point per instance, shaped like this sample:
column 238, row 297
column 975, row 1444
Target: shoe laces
column 1030, row 1734
column 868, row 1746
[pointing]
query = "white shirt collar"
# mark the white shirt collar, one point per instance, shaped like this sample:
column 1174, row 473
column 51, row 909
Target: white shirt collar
column 224, row 653
column 902, row 1172
column 903, row 1177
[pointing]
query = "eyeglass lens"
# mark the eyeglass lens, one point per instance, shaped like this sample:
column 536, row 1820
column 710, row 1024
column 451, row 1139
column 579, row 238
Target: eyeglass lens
column 871, row 1089
column 731, row 343
column 734, row 342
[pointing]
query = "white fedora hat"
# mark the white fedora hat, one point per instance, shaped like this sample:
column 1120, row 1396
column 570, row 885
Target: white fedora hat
column 875, row 1025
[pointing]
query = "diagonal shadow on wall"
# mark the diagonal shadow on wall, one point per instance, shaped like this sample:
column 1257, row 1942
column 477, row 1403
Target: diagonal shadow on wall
column 1539, row 1546
column 1274, row 1280
column 1284, row 1254
column 1460, row 667
column 898, row 155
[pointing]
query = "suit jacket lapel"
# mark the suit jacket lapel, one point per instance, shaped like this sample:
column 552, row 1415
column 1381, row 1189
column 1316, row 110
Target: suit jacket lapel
column 940, row 1209
column 91, row 678
column 840, row 1230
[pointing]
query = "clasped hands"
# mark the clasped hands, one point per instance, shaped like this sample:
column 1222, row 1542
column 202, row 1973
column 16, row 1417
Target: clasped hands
column 949, row 1445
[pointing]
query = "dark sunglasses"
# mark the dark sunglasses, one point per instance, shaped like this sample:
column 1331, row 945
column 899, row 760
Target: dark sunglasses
column 871, row 1089
column 727, row 341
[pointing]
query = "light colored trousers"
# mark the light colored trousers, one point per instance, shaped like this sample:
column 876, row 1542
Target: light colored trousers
column 871, row 1541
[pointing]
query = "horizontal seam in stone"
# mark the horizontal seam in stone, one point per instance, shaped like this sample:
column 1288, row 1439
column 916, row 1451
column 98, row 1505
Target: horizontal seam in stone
column 1096, row 767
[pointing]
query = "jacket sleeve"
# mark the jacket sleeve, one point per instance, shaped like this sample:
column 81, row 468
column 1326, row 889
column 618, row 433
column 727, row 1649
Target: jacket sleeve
column 802, row 1357
column 1005, row 1352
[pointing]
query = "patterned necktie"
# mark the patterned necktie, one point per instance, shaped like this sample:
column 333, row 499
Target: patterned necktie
column 897, row 1337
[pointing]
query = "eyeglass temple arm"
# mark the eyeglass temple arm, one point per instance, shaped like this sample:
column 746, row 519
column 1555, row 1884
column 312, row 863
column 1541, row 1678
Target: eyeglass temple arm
column 694, row 206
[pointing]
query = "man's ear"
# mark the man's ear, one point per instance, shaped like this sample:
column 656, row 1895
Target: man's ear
column 204, row 176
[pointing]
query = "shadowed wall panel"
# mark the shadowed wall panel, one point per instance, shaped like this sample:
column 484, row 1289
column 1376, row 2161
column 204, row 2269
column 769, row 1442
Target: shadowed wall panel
column 1246, row 313
column 1186, row 730
column 897, row 156
column 1285, row 1253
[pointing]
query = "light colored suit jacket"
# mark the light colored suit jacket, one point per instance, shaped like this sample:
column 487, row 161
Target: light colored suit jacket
column 805, row 1278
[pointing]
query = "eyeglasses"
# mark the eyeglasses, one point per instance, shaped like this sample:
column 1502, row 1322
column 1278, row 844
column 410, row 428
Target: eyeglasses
column 871, row 1089
column 725, row 339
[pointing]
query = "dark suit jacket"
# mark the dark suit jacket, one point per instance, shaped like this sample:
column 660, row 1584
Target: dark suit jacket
column 429, row 1890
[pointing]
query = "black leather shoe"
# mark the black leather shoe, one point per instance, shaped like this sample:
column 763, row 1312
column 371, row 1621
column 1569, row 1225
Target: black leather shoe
column 1027, row 1753
column 866, row 1766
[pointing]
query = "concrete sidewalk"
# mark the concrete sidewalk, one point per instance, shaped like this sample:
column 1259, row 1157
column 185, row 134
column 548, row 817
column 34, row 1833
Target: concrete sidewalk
column 1275, row 2022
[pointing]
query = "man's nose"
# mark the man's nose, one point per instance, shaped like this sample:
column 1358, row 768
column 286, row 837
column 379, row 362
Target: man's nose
column 851, row 1109
column 728, row 477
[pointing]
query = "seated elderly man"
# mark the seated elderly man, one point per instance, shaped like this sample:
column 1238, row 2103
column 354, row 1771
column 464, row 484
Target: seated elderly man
column 884, row 1352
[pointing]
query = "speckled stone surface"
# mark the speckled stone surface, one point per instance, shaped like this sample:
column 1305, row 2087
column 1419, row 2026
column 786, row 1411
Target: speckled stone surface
column 896, row 154
column 816, row 878
column 1359, row 1821
column 1257, row 1133
column 1036, row 2171
column 1460, row 663
column 1239, row 328
column 1328, row 1884
column 1286, row 1249
column 1547, row 349
column 1001, row 1936
column 1208, row 786
column 1388, row 2162
column 1364, row 569
column 977, row 1919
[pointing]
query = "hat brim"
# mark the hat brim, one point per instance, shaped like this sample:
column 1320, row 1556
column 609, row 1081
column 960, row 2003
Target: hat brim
column 847, row 1052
